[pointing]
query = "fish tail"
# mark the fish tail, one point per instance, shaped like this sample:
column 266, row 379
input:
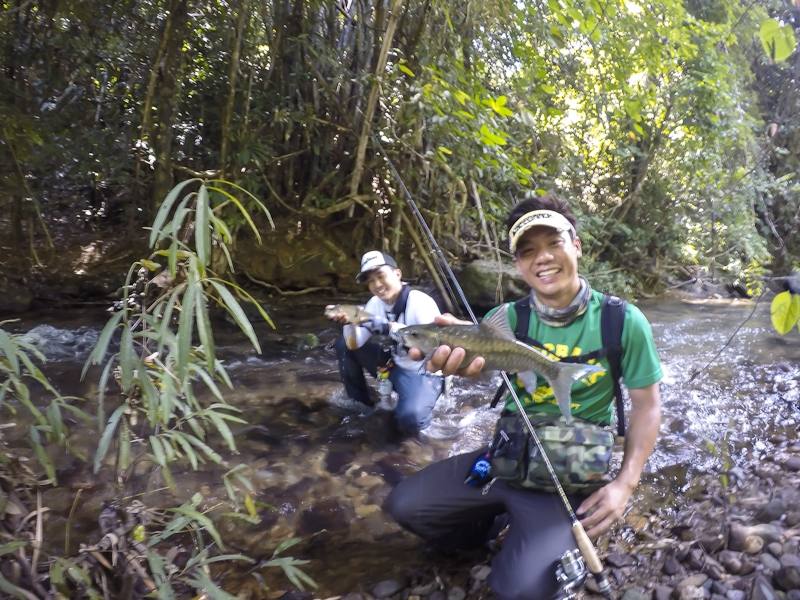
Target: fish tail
column 562, row 386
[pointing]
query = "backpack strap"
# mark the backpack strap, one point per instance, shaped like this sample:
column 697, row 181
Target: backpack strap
column 399, row 307
column 612, row 319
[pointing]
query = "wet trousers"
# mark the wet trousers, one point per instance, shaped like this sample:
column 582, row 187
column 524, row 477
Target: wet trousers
column 437, row 505
column 417, row 392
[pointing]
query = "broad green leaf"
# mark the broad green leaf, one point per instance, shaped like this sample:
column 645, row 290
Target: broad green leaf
column 778, row 39
column 785, row 312
column 108, row 433
column 491, row 139
column 188, row 451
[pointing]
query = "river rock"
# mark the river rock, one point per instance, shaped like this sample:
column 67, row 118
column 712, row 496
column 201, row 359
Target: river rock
column 771, row 511
column 636, row 593
column 696, row 580
column 662, row 592
column 386, row 588
column 792, row 463
column 769, row 562
column 672, row 566
column 456, row 593
column 762, row 590
column 790, row 560
column 480, row 572
column 775, row 548
column 619, row 560
column 735, row 595
column 787, row 578
column 732, row 561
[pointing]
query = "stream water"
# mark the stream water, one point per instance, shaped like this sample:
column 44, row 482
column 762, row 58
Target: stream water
column 322, row 466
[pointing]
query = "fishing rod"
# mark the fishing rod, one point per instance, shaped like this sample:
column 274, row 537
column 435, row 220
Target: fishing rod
column 585, row 545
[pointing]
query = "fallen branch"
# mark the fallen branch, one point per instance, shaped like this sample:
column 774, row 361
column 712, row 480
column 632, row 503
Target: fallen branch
column 288, row 292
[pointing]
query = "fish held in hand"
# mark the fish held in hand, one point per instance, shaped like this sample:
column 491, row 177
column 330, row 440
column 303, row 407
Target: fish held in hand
column 351, row 312
column 494, row 340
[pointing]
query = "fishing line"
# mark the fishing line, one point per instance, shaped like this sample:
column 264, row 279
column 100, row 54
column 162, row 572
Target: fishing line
column 585, row 545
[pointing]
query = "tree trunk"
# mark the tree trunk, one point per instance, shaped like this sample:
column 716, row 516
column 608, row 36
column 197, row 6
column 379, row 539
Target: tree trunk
column 166, row 100
column 233, row 71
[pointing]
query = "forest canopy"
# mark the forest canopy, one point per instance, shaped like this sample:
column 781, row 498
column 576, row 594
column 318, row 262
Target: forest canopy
column 673, row 126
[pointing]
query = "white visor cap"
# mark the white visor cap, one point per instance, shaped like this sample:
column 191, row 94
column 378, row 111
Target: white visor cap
column 537, row 218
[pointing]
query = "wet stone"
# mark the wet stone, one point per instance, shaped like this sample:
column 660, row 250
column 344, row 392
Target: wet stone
column 790, row 560
column 775, row 548
column 771, row 511
column 793, row 595
column 480, row 572
column 438, row 595
column 328, row 514
column 731, row 560
column 619, row 560
column 386, row 588
column 696, row 580
column 719, row 588
column 456, row 593
column 792, row 463
column 735, row 595
column 787, row 578
column 672, row 566
column 691, row 593
column 762, row 590
column 662, row 592
column 770, row 562
column 297, row 595
column 636, row 593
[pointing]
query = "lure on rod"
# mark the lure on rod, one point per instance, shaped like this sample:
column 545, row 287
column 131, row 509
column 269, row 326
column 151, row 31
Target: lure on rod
column 585, row 545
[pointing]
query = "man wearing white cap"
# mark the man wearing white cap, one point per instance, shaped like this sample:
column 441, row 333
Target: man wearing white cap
column 565, row 317
column 393, row 305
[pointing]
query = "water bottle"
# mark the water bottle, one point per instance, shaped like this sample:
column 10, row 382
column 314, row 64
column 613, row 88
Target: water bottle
column 384, row 387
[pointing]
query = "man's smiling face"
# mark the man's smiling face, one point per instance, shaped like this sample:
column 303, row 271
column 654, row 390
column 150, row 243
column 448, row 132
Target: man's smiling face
column 548, row 262
column 385, row 283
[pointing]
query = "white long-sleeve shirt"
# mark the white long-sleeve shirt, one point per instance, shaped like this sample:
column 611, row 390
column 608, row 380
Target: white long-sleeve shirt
column 421, row 309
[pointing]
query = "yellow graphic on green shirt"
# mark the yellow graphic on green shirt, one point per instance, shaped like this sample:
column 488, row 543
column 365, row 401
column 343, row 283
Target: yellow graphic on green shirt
column 543, row 394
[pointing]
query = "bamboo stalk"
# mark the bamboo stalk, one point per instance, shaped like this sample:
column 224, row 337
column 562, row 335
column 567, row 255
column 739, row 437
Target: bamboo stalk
column 425, row 255
column 372, row 101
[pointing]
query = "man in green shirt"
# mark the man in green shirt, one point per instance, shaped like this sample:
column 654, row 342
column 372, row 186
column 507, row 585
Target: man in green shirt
column 565, row 317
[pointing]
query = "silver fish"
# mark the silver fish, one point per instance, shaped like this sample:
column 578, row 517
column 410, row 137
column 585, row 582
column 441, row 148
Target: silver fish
column 353, row 313
column 495, row 342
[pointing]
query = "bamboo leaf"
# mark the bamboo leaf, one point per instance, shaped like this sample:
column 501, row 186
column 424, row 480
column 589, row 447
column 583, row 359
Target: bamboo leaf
column 237, row 313
column 203, row 522
column 223, row 429
column 42, row 455
column 185, row 329
column 158, row 451
column 188, row 451
column 205, row 332
column 99, row 351
column 209, row 452
column 8, row 346
column 202, row 234
column 203, row 583
column 105, row 438
column 785, row 311
column 163, row 586
column 163, row 211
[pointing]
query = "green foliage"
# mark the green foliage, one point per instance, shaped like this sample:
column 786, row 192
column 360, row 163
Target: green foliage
column 785, row 312
column 17, row 372
column 777, row 39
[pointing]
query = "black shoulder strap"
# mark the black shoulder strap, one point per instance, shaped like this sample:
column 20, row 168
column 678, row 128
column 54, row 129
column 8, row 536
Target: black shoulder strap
column 612, row 319
column 400, row 305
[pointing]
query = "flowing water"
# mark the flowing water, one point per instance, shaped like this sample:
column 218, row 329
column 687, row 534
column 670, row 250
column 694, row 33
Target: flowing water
column 323, row 465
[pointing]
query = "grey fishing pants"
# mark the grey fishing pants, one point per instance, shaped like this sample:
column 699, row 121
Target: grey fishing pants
column 436, row 505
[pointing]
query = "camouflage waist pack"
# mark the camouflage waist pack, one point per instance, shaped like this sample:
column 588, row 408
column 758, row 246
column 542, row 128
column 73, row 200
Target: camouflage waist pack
column 580, row 453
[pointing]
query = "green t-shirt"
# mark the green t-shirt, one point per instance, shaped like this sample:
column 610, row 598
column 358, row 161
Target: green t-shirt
column 592, row 396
